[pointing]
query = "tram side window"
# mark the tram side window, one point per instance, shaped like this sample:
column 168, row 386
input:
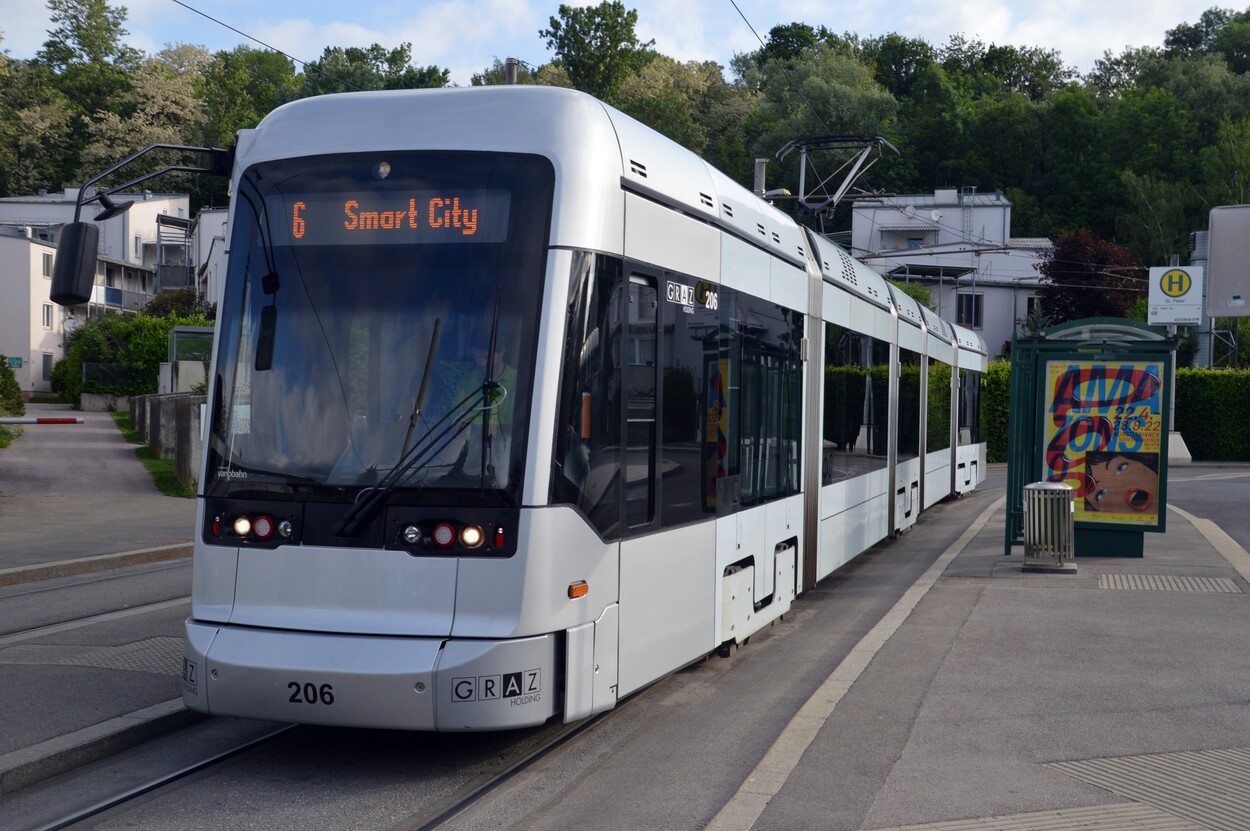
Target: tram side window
column 908, row 404
column 856, row 402
column 689, row 356
column 640, row 402
column 969, row 407
column 938, row 424
column 587, row 455
column 760, row 353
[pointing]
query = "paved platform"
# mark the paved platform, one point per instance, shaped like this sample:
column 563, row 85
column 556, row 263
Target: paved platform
column 1112, row 699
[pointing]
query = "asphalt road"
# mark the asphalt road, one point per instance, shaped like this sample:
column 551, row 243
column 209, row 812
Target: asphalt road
column 78, row 490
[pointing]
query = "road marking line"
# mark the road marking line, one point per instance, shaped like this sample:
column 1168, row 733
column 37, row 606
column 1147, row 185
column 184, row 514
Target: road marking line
column 746, row 806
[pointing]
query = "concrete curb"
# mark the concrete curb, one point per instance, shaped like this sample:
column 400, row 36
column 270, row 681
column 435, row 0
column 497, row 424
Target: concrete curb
column 87, row 565
column 42, row 761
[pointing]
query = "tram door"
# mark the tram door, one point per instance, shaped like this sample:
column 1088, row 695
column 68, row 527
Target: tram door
column 666, row 594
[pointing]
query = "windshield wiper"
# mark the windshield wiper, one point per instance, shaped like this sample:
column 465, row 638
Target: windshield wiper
column 419, row 402
column 363, row 508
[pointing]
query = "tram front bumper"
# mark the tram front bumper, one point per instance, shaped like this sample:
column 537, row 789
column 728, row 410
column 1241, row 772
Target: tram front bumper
column 369, row 681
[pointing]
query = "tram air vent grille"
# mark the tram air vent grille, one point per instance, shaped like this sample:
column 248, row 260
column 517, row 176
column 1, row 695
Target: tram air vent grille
column 638, row 168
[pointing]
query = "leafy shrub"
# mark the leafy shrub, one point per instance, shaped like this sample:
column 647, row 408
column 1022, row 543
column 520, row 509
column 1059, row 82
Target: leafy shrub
column 11, row 403
column 1211, row 407
column 995, row 406
column 134, row 346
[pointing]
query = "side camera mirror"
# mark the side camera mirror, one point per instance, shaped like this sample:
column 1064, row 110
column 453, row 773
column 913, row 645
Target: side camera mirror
column 73, row 273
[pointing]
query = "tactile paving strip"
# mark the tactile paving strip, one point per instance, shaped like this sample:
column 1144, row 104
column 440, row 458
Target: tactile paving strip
column 1207, row 787
column 1168, row 583
column 1122, row 817
column 162, row 656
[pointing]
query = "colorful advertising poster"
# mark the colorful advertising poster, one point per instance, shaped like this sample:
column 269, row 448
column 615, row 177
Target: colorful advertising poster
column 1104, row 437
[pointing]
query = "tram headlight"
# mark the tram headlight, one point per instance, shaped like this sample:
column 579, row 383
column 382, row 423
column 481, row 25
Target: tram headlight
column 411, row 535
column 471, row 536
column 242, row 526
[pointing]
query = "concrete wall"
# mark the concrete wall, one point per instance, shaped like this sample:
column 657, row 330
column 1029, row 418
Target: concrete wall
column 172, row 426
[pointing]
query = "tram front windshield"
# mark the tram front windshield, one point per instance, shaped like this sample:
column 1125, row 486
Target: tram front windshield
column 379, row 315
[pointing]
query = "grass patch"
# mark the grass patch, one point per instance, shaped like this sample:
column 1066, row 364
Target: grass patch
column 8, row 432
column 163, row 471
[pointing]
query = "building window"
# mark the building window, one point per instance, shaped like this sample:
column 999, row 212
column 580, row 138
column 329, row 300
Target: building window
column 138, row 246
column 970, row 310
column 47, row 264
column 47, row 315
column 47, row 366
column 915, row 242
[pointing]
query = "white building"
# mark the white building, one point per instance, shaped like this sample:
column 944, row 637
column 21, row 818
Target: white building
column 131, row 256
column 208, row 247
column 959, row 244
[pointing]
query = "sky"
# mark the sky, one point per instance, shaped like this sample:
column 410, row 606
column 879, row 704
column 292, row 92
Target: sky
column 465, row 36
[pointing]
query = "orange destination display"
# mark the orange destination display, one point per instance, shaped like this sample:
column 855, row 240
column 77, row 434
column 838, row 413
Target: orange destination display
column 380, row 218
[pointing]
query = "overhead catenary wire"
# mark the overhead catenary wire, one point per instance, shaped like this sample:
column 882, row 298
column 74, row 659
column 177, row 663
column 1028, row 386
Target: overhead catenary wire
column 305, row 64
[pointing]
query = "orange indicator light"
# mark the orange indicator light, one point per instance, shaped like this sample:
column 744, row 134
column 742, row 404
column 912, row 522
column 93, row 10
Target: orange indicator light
column 578, row 589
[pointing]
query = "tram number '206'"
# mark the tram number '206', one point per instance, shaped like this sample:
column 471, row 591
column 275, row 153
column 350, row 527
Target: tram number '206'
column 310, row 693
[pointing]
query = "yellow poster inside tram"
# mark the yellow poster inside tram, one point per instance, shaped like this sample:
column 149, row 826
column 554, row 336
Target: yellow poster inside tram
column 1103, row 433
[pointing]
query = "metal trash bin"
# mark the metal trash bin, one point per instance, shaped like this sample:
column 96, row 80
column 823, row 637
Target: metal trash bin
column 1049, row 527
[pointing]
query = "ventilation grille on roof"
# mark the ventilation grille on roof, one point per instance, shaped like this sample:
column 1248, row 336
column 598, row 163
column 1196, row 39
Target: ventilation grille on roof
column 848, row 270
column 638, row 168
column 706, row 200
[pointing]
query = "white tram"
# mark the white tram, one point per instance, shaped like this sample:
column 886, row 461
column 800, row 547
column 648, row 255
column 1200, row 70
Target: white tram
column 518, row 406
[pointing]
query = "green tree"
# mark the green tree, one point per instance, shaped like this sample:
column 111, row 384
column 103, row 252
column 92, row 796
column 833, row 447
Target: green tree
column 1073, row 156
column 161, row 107
column 1189, row 39
column 1113, row 74
column 1004, row 142
column 692, row 104
column 596, row 46
column 356, row 69
column 239, row 87
column 822, row 92
column 180, row 303
column 1157, row 216
column 1086, row 276
column 931, row 131
column 897, row 61
column 1226, row 166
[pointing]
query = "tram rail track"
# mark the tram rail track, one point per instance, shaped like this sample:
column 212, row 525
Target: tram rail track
column 17, row 636
column 158, row 782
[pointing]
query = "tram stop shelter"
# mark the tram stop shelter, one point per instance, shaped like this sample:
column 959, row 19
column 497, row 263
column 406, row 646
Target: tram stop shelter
column 1091, row 407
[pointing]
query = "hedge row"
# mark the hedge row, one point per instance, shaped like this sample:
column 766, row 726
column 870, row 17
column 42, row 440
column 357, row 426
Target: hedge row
column 1212, row 410
column 1212, row 406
